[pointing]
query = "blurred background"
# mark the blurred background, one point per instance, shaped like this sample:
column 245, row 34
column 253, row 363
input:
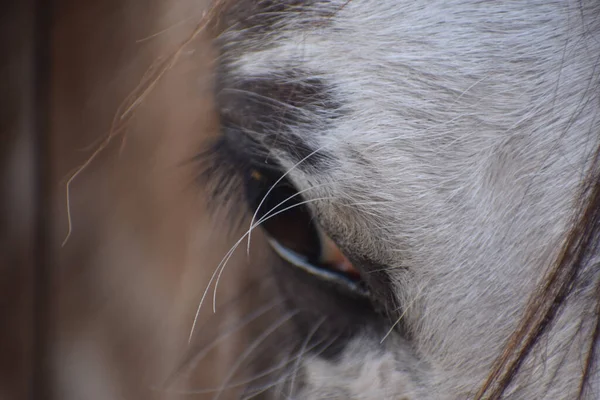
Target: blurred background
column 107, row 313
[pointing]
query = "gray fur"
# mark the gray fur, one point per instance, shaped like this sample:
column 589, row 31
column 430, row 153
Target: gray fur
column 464, row 131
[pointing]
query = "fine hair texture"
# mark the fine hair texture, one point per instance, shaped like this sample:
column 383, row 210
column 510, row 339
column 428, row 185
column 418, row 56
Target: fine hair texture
column 452, row 150
column 580, row 245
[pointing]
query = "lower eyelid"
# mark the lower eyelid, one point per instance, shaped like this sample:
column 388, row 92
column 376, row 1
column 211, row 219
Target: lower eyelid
column 301, row 262
column 331, row 255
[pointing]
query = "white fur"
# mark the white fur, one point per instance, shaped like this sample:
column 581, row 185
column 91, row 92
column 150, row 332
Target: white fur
column 478, row 119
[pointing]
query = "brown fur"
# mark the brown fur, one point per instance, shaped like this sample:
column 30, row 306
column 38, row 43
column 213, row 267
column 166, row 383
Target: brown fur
column 125, row 286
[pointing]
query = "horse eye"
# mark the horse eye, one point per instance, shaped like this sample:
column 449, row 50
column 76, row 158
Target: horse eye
column 294, row 234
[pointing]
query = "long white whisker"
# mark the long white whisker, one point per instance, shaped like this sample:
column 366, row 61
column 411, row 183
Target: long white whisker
column 257, row 342
column 264, row 218
column 258, row 223
column 206, row 290
column 273, row 186
column 219, row 270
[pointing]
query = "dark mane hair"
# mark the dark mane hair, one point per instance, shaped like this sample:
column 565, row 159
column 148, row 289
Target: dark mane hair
column 561, row 281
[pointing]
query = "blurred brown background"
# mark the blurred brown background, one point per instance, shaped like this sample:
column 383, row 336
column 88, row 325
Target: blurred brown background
column 107, row 315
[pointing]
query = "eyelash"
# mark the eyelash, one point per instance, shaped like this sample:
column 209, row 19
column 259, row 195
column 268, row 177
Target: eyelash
column 233, row 179
column 221, row 172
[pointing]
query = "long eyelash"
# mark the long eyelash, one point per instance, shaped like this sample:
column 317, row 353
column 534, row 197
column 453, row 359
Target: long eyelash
column 219, row 174
column 222, row 170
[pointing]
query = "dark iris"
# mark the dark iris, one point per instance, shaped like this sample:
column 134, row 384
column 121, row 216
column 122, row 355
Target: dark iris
column 293, row 232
